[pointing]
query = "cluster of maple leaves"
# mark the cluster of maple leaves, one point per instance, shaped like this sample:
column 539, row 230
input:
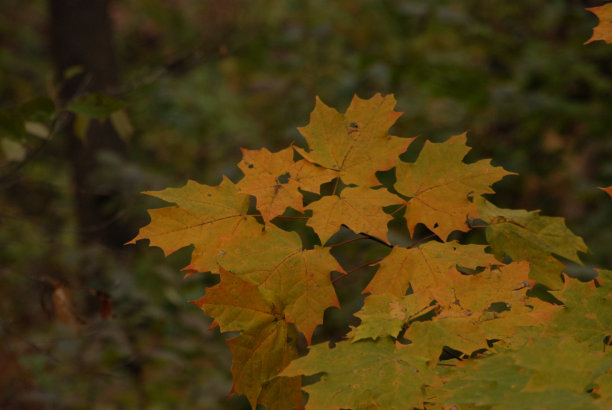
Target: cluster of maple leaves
column 512, row 347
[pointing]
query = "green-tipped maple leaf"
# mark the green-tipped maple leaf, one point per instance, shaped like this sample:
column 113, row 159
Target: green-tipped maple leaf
column 356, row 144
column 466, row 320
column 249, row 311
column 603, row 31
column 463, row 317
column 204, row 216
column 258, row 357
column 274, row 179
column 587, row 312
column 476, row 292
column 366, row 374
column 425, row 267
column 359, row 208
column 441, row 186
column 525, row 235
column 385, row 315
column 551, row 373
column 297, row 281
column 263, row 348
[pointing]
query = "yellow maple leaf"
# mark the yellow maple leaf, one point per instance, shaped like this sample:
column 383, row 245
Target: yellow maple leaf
column 204, row 216
column 357, row 144
column 441, row 186
column 359, row 208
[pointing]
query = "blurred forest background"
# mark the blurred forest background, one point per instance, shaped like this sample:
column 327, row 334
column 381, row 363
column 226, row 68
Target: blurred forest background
column 86, row 322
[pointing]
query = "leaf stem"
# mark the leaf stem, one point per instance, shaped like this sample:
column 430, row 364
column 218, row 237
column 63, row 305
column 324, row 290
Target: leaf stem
column 357, row 268
column 398, row 209
column 336, row 185
column 349, row 241
column 376, row 239
column 419, row 241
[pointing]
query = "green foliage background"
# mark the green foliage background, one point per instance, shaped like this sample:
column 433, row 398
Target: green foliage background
column 245, row 73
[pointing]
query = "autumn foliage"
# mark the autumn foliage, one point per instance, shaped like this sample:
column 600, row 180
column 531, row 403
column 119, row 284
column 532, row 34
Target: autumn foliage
column 445, row 320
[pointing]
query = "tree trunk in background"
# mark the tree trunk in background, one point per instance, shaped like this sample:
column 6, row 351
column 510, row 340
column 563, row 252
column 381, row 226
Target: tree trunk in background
column 81, row 35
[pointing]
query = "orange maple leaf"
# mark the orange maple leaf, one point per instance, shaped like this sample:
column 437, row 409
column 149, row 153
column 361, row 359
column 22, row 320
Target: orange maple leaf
column 359, row 208
column 425, row 267
column 607, row 190
column 603, row 31
column 274, row 179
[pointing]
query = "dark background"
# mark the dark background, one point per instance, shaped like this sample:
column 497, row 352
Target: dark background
column 86, row 322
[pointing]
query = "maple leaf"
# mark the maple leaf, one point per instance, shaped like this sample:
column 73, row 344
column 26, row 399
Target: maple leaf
column 248, row 311
column 262, row 350
column 462, row 317
column 607, row 190
column 356, row 144
column 441, row 186
column 425, row 267
column 385, row 314
column 462, row 333
column 258, row 357
column 204, row 216
column 366, row 374
column 525, row 235
column 274, row 179
column 587, row 313
column 548, row 373
column 603, row 31
column 464, row 321
column 476, row 292
column 359, row 208
column 297, row 281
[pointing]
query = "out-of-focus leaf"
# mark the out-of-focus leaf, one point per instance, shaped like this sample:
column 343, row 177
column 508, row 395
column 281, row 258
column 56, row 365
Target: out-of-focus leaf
column 64, row 307
column 98, row 106
column 81, row 124
column 122, row 124
column 37, row 129
column 13, row 151
column 38, row 109
column 11, row 125
column 72, row 71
